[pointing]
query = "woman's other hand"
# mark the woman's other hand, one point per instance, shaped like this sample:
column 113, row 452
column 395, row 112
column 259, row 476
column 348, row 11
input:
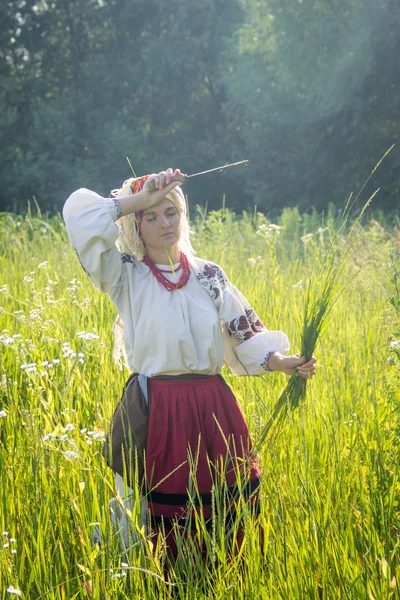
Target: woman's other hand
column 293, row 364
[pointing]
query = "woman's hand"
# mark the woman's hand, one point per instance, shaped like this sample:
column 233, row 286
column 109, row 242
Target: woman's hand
column 158, row 186
column 163, row 183
column 293, row 364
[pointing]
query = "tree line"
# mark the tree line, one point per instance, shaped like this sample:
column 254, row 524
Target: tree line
column 306, row 90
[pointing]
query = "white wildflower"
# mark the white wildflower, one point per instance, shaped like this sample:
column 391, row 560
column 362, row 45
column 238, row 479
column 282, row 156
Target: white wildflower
column 119, row 575
column 87, row 336
column 43, row 264
column 254, row 260
column 299, row 284
column 6, row 545
column 13, row 540
column 16, row 335
column 125, row 565
column 390, row 360
column 3, row 414
column 45, row 363
column 3, row 288
column 84, row 430
column 306, row 238
column 56, row 361
column 12, row 590
column 8, row 341
column 47, row 437
column 5, row 533
column 71, row 454
column 69, row 427
column 394, row 344
column 99, row 436
column 13, row 551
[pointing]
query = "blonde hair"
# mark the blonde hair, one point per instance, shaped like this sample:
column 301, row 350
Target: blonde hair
column 129, row 239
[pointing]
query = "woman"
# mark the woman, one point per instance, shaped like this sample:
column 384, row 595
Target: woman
column 181, row 319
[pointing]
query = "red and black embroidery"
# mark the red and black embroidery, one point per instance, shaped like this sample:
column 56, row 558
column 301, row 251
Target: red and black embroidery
column 213, row 278
column 265, row 363
column 245, row 326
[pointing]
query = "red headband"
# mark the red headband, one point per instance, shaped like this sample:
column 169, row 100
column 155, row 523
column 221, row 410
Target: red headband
column 136, row 186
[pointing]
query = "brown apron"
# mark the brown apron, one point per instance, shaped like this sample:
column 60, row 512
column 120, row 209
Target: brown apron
column 125, row 445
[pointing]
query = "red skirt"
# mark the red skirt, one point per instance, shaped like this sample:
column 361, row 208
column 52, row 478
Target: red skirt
column 198, row 441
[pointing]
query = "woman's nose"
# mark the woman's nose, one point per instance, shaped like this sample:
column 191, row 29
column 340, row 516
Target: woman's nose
column 165, row 222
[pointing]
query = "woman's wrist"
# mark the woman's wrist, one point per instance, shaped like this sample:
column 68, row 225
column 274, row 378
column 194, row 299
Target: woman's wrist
column 131, row 204
column 275, row 362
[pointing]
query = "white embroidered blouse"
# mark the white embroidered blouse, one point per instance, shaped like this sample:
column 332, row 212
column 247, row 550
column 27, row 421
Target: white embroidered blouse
column 190, row 330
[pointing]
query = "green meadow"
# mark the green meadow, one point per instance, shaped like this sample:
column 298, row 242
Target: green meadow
column 330, row 471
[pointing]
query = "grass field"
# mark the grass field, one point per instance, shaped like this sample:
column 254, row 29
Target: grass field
column 330, row 488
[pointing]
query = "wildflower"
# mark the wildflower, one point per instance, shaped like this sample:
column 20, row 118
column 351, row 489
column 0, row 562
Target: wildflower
column 6, row 545
column 43, row 264
column 71, row 454
column 12, row 590
column 299, row 284
column 8, row 341
column 119, row 575
column 125, row 565
column 69, row 427
column 306, row 238
column 13, row 551
column 394, row 344
column 56, row 361
column 5, row 533
column 47, row 437
column 253, row 261
column 83, row 430
column 87, row 336
column 4, row 288
column 390, row 360
column 13, row 540
column 3, row 414
column 268, row 230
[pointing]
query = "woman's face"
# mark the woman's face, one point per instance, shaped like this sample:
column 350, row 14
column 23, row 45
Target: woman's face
column 161, row 226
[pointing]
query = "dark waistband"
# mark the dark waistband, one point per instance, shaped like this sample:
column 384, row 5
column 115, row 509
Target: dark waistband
column 183, row 377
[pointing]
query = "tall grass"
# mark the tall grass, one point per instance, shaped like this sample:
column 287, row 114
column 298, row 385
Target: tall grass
column 330, row 489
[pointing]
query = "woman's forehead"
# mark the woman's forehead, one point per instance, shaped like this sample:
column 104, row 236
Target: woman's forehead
column 160, row 207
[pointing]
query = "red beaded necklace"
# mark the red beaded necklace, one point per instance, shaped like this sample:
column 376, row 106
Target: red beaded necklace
column 158, row 273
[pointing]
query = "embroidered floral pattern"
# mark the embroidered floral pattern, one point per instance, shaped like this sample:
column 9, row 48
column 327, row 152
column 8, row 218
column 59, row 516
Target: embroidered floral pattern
column 265, row 362
column 245, row 326
column 81, row 263
column 213, row 279
column 127, row 258
column 118, row 207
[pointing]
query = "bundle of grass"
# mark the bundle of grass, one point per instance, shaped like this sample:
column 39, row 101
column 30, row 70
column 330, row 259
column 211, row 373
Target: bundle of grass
column 323, row 290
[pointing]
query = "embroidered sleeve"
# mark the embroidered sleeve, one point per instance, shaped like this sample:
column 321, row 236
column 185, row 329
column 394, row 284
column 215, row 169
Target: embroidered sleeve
column 90, row 223
column 248, row 343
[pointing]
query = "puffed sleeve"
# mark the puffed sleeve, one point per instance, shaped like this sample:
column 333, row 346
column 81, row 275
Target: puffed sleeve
column 90, row 222
column 248, row 344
